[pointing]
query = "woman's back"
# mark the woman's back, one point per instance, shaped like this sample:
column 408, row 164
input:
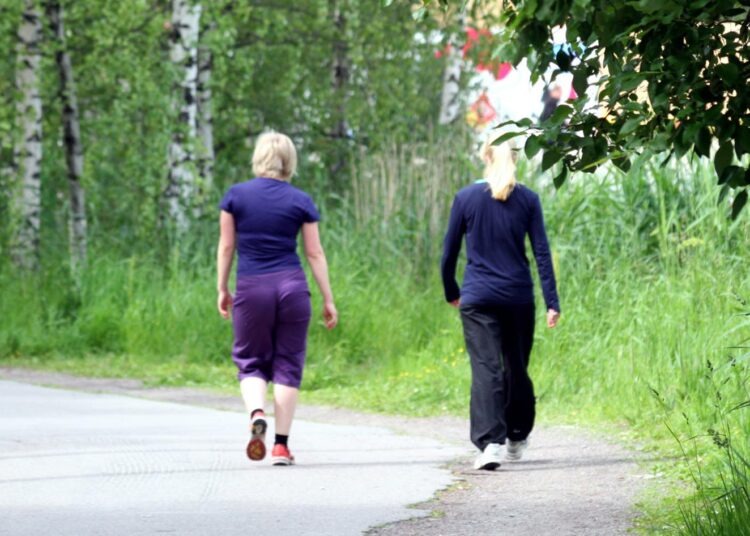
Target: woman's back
column 497, row 271
column 268, row 215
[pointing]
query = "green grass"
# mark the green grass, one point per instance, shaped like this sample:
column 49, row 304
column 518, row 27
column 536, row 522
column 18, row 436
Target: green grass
column 652, row 278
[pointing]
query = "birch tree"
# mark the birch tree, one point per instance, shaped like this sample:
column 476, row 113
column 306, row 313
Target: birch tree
column 205, row 119
column 340, row 79
column 71, row 138
column 26, row 201
column 181, row 156
column 450, row 103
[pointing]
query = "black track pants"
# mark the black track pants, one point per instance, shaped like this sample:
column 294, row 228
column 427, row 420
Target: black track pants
column 499, row 340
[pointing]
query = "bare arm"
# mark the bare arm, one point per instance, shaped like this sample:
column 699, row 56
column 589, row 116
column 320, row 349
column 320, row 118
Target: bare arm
column 224, row 258
column 316, row 257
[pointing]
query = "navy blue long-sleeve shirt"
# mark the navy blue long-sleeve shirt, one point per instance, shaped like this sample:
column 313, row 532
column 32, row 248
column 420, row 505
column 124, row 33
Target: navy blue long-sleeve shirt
column 497, row 271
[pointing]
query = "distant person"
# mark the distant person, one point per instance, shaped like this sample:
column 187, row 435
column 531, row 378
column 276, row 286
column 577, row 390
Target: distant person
column 550, row 99
column 496, row 300
column 261, row 219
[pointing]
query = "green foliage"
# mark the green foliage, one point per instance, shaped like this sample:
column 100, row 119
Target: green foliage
column 717, row 456
column 272, row 68
column 672, row 77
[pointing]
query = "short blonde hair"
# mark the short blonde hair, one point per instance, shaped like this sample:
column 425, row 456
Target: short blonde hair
column 274, row 156
column 500, row 171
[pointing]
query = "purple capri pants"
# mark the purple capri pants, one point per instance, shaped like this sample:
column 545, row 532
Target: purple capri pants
column 270, row 316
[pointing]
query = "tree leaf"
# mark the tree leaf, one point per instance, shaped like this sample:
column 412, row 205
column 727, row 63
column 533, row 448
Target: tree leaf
column 559, row 179
column 659, row 101
column 505, row 137
column 630, row 125
column 733, row 176
column 551, row 156
column 533, row 145
column 703, row 142
column 420, row 14
column 742, row 140
column 739, row 202
column 728, row 72
column 560, row 114
column 723, row 157
column 580, row 81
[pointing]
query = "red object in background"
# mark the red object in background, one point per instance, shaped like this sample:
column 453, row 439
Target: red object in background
column 504, row 70
column 446, row 51
column 481, row 112
column 573, row 95
column 472, row 38
column 478, row 48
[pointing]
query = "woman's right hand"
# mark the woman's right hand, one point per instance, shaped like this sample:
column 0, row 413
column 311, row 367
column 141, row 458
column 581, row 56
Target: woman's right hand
column 552, row 318
column 330, row 315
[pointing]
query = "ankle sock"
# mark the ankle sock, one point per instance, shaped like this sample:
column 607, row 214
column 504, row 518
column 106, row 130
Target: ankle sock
column 256, row 411
column 281, row 439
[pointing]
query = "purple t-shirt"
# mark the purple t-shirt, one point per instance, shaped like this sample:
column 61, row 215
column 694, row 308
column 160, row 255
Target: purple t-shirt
column 268, row 215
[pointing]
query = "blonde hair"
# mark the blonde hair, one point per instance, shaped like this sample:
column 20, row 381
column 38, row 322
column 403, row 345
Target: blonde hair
column 500, row 168
column 274, row 156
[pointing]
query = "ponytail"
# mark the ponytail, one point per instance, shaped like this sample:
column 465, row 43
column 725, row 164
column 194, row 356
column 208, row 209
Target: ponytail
column 500, row 169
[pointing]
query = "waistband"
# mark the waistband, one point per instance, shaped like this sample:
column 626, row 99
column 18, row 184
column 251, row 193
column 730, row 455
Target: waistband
column 291, row 273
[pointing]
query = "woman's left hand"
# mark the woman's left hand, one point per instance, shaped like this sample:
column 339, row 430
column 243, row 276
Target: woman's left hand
column 224, row 303
column 552, row 318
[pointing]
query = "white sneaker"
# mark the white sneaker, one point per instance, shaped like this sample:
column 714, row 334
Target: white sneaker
column 489, row 459
column 514, row 449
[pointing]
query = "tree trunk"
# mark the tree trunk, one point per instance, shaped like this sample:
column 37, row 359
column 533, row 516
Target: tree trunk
column 72, row 140
column 181, row 159
column 340, row 74
column 205, row 120
column 450, row 104
column 26, row 202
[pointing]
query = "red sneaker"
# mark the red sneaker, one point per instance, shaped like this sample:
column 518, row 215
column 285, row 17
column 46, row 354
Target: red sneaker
column 280, row 455
column 256, row 448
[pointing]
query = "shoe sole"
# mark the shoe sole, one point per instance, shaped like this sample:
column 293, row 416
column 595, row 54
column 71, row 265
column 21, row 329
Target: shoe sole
column 256, row 448
column 282, row 461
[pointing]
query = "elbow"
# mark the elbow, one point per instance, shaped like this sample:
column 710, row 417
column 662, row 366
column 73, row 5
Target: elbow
column 226, row 248
column 315, row 254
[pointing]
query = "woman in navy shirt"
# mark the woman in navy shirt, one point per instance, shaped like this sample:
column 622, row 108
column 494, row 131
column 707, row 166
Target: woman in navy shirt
column 496, row 300
column 261, row 219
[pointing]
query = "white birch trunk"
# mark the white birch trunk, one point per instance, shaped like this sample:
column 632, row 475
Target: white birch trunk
column 340, row 80
column 450, row 103
column 26, row 201
column 340, row 70
column 72, row 141
column 205, row 120
column 181, row 157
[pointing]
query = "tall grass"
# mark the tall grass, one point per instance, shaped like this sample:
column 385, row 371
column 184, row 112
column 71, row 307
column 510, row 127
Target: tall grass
column 652, row 277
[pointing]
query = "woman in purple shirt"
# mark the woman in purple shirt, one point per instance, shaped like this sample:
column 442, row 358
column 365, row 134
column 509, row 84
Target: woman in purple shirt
column 261, row 219
column 496, row 300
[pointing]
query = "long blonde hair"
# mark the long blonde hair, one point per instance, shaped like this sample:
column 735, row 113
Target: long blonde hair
column 500, row 168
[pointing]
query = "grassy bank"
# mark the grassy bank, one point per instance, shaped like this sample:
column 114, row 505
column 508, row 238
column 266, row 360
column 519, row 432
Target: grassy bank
column 652, row 279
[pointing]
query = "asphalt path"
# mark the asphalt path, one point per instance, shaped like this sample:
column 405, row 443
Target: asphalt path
column 75, row 463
